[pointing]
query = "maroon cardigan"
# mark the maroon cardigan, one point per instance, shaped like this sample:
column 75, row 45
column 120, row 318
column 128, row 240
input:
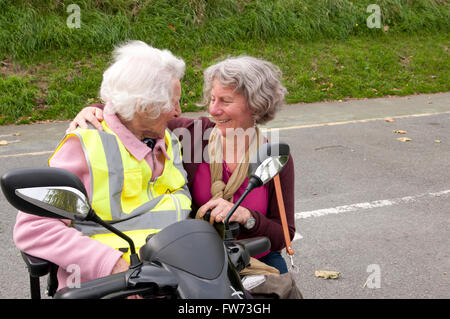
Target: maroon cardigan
column 269, row 225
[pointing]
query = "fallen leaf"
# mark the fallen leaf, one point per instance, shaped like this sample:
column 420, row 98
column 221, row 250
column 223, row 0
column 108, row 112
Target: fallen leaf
column 400, row 132
column 16, row 134
column 327, row 274
column 3, row 143
column 404, row 139
column 389, row 119
column 437, row 141
column 172, row 27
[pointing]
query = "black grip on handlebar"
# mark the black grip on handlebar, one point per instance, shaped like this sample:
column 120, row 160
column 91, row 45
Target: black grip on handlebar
column 220, row 227
column 95, row 289
column 207, row 215
column 256, row 245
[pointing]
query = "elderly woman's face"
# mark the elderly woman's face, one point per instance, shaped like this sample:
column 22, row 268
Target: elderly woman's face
column 229, row 108
column 145, row 127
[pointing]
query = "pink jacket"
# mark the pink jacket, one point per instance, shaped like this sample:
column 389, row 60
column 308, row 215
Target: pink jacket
column 53, row 240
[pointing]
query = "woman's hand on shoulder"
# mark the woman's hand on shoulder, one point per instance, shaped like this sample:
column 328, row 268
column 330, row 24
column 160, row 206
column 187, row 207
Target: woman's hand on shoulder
column 90, row 114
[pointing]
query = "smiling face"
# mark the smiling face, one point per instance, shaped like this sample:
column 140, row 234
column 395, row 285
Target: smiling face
column 229, row 108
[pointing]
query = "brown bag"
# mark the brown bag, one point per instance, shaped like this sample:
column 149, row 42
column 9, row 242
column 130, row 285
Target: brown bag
column 257, row 267
column 275, row 286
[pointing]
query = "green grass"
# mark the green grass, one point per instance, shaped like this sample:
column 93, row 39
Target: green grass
column 18, row 98
column 324, row 47
column 39, row 26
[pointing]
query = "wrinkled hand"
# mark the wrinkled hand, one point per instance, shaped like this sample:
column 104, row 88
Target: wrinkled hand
column 90, row 114
column 220, row 209
column 121, row 266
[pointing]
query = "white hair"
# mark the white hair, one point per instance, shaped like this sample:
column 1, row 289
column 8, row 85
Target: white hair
column 140, row 79
column 259, row 81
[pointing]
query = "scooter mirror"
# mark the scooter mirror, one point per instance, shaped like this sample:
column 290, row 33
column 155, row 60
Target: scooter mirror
column 267, row 162
column 55, row 193
column 264, row 165
column 58, row 201
column 24, row 188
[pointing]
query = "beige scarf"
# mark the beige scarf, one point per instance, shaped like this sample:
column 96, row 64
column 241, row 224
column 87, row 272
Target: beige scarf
column 215, row 147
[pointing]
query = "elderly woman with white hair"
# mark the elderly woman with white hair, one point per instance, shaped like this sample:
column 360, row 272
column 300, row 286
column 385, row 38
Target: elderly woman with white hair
column 241, row 92
column 132, row 169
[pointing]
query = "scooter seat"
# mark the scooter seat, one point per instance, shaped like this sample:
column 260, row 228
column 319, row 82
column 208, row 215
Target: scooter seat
column 193, row 246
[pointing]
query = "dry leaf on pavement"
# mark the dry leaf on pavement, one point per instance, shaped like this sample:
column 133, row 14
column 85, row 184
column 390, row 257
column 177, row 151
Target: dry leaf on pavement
column 400, row 132
column 327, row 274
column 404, row 139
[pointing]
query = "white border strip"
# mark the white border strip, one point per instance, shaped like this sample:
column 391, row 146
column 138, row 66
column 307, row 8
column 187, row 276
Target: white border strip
column 367, row 205
column 352, row 121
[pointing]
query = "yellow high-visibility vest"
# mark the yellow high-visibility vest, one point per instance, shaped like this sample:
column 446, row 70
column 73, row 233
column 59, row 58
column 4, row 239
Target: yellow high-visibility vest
column 122, row 192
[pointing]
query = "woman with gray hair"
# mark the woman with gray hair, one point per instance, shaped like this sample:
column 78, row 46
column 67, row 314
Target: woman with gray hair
column 132, row 169
column 241, row 92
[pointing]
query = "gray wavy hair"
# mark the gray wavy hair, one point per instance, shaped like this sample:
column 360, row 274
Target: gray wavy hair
column 140, row 79
column 259, row 81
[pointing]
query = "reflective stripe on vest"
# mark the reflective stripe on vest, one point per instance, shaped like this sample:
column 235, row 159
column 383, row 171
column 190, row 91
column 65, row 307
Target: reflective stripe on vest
column 122, row 192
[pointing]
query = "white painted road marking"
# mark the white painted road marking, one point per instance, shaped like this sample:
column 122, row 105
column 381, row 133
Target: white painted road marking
column 27, row 154
column 368, row 205
column 352, row 121
column 297, row 236
column 365, row 206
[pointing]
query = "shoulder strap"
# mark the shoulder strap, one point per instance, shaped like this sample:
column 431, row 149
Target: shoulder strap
column 284, row 223
column 282, row 210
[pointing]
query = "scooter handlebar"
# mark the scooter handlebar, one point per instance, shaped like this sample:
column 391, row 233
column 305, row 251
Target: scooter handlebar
column 95, row 289
column 148, row 279
column 256, row 245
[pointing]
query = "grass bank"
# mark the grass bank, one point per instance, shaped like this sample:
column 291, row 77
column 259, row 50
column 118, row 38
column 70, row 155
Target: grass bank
column 324, row 48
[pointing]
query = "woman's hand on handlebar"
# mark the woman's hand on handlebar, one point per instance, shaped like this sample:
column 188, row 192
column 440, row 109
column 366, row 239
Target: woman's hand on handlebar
column 90, row 114
column 220, row 209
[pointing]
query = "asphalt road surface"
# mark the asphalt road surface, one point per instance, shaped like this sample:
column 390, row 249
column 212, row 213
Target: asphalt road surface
column 371, row 207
